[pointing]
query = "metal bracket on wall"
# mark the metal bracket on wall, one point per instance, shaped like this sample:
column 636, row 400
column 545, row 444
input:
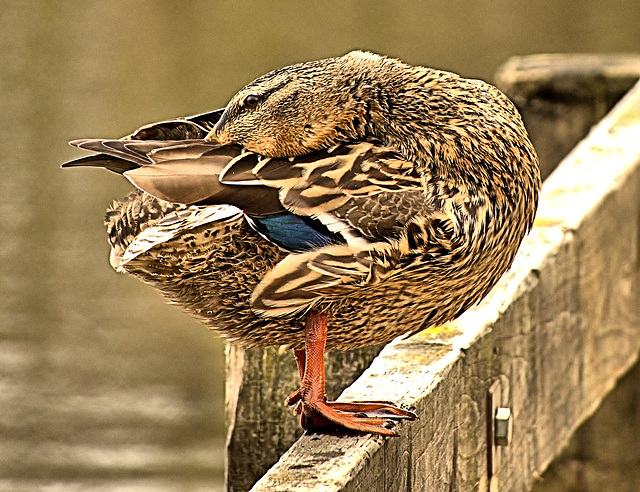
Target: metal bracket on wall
column 499, row 426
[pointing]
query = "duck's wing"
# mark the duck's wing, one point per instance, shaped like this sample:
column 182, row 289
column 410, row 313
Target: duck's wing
column 324, row 180
column 189, row 128
column 171, row 161
column 339, row 208
column 344, row 194
column 362, row 191
column 300, row 281
column 370, row 195
column 178, row 171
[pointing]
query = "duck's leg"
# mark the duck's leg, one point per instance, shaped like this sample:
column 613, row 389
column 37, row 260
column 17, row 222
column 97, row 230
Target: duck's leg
column 311, row 400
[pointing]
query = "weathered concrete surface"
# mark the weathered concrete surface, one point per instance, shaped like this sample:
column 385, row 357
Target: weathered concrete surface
column 559, row 330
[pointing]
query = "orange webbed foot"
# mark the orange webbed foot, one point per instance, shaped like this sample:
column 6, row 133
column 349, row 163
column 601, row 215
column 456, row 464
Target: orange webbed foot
column 372, row 417
column 310, row 401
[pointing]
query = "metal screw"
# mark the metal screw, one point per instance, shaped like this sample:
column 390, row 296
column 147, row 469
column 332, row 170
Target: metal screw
column 502, row 426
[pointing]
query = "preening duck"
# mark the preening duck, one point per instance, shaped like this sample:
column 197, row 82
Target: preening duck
column 366, row 196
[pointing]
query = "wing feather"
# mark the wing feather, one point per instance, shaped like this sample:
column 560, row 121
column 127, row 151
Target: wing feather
column 338, row 184
column 302, row 279
column 176, row 224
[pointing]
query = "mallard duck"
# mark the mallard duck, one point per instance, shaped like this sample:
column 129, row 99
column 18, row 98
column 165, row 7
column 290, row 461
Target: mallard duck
column 359, row 193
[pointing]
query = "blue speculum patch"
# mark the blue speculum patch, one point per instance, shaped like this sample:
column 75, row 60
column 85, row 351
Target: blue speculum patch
column 295, row 233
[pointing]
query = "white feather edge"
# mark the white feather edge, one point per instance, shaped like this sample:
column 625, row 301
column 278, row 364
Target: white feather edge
column 337, row 226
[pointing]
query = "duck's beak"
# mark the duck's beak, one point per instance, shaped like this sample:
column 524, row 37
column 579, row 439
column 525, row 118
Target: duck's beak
column 217, row 133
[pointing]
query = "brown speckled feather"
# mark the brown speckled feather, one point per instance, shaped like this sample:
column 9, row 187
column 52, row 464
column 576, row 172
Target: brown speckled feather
column 427, row 181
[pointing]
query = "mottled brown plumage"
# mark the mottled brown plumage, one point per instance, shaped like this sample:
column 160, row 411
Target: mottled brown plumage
column 401, row 192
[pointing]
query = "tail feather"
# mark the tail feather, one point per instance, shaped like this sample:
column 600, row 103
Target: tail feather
column 113, row 164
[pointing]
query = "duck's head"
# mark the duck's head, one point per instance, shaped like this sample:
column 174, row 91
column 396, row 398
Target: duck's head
column 304, row 107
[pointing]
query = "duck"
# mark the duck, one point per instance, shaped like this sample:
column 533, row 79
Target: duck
column 332, row 204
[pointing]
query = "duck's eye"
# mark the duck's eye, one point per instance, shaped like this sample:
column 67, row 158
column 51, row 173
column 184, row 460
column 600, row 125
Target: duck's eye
column 250, row 101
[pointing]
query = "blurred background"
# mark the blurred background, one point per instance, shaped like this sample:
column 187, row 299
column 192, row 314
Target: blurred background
column 102, row 385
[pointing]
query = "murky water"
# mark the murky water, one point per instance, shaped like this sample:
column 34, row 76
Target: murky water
column 102, row 385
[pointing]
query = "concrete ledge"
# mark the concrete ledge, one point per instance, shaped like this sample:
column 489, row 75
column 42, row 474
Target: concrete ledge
column 557, row 332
